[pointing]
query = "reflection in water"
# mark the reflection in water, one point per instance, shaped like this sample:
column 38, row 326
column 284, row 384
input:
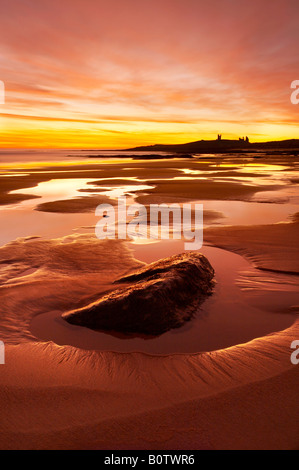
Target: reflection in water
column 119, row 191
column 52, row 190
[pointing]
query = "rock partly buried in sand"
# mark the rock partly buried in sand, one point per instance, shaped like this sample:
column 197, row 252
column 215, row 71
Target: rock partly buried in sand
column 156, row 298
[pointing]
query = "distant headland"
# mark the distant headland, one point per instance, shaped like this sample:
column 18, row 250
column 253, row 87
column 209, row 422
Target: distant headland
column 219, row 145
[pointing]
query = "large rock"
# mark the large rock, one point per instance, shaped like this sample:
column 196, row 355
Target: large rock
column 152, row 300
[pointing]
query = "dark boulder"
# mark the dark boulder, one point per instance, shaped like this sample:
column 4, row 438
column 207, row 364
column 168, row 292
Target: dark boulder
column 152, row 300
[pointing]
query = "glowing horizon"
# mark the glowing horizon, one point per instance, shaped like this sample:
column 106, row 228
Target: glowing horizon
column 86, row 74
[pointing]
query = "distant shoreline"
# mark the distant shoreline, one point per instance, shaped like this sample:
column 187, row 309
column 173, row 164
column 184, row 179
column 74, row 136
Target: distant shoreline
column 220, row 146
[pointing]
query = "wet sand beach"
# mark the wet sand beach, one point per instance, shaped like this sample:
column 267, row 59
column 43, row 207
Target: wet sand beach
column 222, row 381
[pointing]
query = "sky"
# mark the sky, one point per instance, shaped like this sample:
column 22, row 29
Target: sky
column 122, row 73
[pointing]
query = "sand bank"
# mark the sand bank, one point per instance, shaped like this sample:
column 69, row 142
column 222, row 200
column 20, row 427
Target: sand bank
column 157, row 172
column 273, row 247
column 77, row 204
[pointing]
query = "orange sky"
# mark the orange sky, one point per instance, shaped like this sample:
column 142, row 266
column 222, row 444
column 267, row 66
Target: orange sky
column 114, row 74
